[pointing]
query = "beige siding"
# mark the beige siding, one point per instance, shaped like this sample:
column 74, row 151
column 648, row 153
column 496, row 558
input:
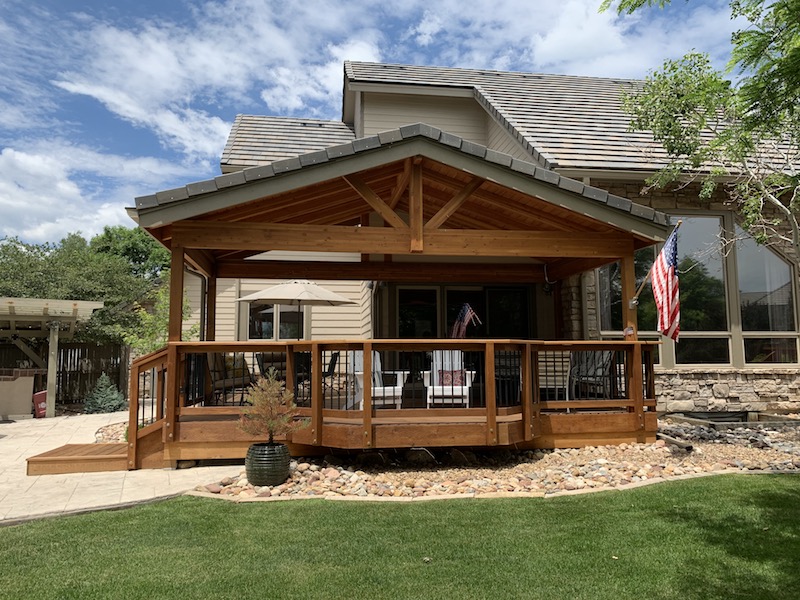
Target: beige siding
column 327, row 322
column 366, row 311
column 193, row 289
column 463, row 117
column 502, row 141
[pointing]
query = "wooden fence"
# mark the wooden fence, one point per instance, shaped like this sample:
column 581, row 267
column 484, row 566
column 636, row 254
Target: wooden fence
column 79, row 367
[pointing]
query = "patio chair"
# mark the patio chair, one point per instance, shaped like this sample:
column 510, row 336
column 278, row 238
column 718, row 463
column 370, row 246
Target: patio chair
column 229, row 375
column 590, row 374
column 447, row 382
column 384, row 393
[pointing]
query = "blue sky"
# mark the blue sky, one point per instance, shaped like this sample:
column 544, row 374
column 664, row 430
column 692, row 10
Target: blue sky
column 103, row 101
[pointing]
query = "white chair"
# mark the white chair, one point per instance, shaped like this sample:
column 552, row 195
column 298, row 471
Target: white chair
column 447, row 382
column 382, row 395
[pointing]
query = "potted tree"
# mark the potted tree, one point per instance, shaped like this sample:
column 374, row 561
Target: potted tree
column 272, row 412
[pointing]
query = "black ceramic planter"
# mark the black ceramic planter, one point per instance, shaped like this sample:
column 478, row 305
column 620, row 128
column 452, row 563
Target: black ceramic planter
column 267, row 464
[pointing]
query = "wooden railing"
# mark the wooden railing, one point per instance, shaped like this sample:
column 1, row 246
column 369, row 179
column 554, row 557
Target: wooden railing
column 148, row 399
column 420, row 381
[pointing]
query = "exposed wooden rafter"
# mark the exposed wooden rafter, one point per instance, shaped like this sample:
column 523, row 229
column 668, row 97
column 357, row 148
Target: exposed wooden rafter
column 377, row 204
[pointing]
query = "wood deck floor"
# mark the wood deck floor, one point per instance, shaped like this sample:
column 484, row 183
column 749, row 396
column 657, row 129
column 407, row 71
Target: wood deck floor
column 80, row 458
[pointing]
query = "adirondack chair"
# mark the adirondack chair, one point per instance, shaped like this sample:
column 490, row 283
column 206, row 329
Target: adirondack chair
column 384, row 393
column 447, row 382
column 229, row 375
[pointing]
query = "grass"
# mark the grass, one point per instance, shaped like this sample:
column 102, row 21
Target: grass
column 731, row 536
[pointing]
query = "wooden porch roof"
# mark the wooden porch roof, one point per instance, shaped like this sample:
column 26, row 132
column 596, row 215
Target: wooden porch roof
column 414, row 191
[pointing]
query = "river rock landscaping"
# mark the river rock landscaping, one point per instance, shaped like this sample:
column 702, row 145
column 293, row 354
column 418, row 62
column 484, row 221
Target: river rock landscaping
column 422, row 473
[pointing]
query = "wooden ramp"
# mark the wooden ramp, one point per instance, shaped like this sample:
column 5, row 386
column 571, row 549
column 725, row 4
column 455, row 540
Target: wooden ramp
column 80, row 458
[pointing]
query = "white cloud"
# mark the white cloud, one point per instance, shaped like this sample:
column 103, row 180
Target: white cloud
column 49, row 190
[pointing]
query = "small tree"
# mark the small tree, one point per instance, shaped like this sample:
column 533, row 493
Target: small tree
column 272, row 409
column 105, row 397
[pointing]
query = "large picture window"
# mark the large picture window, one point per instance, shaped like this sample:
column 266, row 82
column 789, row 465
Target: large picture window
column 716, row 271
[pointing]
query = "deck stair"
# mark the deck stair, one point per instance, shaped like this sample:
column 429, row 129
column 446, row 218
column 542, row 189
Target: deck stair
column 80, row 458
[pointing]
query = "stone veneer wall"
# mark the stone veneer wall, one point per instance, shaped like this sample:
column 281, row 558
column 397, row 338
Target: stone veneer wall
column 703, row 390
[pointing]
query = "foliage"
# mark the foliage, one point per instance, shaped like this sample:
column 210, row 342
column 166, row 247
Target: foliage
column 119, row 267
column 146, row 257
column 105, row 397
column 272, row 410
column 149, row 333
column 747, row 132
column 728, row 536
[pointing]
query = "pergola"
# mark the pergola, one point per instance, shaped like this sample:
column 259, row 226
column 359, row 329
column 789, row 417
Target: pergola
column 23, row 319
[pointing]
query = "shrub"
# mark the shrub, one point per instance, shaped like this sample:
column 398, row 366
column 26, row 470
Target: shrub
column 104, row 398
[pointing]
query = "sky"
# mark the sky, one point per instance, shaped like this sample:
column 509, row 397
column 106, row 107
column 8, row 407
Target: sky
column 103, row 101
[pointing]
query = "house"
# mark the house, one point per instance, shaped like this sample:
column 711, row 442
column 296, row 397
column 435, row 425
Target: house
column 517, row 193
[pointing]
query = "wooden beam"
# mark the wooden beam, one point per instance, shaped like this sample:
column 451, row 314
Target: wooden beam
column 211, row 308
column 375, row 202
column 176, row 295
column 201, row 260
column 398, row 272
column 28, row 351
column 402, row 184
column 441, row 242
column 415, row 208
column 454, row 204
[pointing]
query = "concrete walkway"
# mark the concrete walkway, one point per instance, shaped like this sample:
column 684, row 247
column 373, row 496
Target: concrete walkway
column 23, row 497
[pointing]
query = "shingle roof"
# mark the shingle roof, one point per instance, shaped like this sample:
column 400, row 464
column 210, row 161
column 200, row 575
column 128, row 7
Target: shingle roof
column 257, row 140
column 564, row 121
column 384, row 140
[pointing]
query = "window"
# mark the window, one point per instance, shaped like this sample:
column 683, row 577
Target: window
column 264, row 318
column 716, row 276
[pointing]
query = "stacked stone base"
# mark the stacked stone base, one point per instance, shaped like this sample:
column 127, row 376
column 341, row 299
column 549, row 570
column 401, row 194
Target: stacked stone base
column 754, row 390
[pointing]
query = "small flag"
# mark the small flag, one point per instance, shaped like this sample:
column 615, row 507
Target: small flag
column 665, row 288
column 464, row 318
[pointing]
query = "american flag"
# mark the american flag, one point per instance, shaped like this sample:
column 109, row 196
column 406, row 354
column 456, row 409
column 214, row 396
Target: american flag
column 464, row 318
column 665, row 288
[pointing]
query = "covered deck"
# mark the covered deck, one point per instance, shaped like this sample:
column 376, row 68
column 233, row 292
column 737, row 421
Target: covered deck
column 521, row 394
column 417, row 205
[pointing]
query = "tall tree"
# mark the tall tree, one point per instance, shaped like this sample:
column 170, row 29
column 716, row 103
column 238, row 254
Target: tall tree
column 744, row 132
column 146, row 257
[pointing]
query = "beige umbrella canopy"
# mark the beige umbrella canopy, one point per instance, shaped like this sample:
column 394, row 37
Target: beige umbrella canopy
column 299, row 293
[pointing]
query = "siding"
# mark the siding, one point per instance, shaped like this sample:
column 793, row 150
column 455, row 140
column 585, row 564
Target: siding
column 502, row 141
column 463, row 117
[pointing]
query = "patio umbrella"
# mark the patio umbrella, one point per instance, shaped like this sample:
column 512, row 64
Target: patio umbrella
column 299, row 293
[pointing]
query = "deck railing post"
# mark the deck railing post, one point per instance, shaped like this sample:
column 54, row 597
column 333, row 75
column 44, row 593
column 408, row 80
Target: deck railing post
column 536, row 422
column 133, row 418
column 316, row 393
column 170, row 433
column 527, row 396
column 636, row 385
column 290, row 369
column 490, row 394
column 367, row 395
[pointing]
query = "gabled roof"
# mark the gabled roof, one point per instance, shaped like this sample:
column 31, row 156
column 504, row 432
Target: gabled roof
column 257, row 140
column 564, row 121
column 227, row 191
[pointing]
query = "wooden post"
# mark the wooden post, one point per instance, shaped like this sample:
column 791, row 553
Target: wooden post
column 415, row 216
column 490, row 395
column 170, row 433
column 52, row 369
column 211, row 308
column 316, row 394
column 176, row 296
column 629, row 318
column 367, row 398
column 527, row 389
column 634, row 354
column 133, row 417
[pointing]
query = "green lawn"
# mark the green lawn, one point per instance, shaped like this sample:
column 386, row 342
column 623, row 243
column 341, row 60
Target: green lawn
column 726, row 537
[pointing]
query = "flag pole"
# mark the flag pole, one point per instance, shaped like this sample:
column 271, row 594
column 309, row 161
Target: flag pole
column 635, row 300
